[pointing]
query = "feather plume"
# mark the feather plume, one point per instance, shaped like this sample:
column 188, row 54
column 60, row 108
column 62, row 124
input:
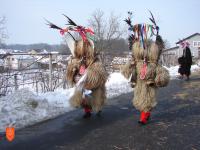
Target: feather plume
column 154, row 22
column 51, row 25
column 128, row 21
column 70, row 21
column 152, row 18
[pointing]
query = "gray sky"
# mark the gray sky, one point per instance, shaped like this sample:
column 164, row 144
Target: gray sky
column 25, row 23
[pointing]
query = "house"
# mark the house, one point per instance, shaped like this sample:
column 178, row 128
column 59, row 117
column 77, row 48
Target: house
column 2, row 51
column 15, row 62
column 194, row 41
column 16, row 59
column 37, row 51
column 2, row 56
column 169, row 56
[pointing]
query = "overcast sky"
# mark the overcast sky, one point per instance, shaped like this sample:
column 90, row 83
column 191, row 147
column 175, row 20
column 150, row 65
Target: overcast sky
column 25, row 24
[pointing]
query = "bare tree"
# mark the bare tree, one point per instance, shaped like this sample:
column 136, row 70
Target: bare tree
column 106, row 30
column 167, row 44
column 98, row 23
column 3, row 35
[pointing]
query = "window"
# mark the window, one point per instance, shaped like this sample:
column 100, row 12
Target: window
column 196, row 43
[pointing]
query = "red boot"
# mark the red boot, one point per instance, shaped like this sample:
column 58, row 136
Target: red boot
column 144, row 117
column 87, row 111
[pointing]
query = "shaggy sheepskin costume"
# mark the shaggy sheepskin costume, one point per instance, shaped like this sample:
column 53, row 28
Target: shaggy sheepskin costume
column 144, row 71
column 85, row 71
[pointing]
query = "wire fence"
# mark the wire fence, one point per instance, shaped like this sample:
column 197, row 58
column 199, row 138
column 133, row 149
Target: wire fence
column 17, row 72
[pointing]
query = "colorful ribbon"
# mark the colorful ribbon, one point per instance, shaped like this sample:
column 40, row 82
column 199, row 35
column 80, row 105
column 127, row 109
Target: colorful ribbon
column 82, row 70
column 143, row 71
column 85, row 33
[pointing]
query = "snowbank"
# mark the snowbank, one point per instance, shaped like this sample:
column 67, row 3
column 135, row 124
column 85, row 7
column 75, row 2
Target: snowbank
column 173, row 71
column 117, row 85
column 24, row 107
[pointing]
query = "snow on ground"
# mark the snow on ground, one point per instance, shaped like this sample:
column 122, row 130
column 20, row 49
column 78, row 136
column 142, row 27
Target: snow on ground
column 117, row 85
column 24, row 107
column 173, row 71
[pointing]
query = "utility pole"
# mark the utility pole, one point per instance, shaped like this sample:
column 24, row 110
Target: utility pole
column 15, row 82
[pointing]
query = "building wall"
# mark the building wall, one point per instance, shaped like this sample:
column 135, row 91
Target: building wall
column 11, row 62
column 194, row 48
column 169, row 57
column 27, row 64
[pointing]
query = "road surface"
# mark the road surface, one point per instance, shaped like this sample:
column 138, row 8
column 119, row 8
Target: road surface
column 175, row 125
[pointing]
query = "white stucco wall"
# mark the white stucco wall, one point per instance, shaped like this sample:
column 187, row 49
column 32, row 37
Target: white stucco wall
column 194, row 50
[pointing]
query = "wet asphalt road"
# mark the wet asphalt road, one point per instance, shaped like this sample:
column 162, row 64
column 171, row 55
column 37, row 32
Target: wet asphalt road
column 175, row 125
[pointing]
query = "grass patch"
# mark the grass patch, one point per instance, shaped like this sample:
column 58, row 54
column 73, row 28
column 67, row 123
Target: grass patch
column 182, row 95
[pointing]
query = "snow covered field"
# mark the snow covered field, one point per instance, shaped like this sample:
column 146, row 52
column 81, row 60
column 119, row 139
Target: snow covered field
column 25, row 107
column 173, row 71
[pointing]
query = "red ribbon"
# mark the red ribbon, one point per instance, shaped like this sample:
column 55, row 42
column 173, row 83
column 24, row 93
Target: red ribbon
column 143, row 71
column 82, row 69
column 81, row 30
column 62, row 31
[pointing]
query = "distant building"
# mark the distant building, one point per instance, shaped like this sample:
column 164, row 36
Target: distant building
column 2, row 51
column 2, row 56
column 170, row 55
column 194, row 41
column 16, row 62
column 37, row 51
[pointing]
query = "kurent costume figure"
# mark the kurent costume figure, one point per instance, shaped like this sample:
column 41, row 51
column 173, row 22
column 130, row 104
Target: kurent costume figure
column 143, row 71
column 185, row 61
column 85, row 70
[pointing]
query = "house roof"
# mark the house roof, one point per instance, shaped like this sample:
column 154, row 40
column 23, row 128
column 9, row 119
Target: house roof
column 23, row 57
column 37, row 50
column 2, row 51
column 169, row 49
column 188, row 37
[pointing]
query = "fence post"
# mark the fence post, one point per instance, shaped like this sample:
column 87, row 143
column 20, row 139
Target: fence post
column 64, row 79
column 50, row 72
column 15, row 81
column 36, row 84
